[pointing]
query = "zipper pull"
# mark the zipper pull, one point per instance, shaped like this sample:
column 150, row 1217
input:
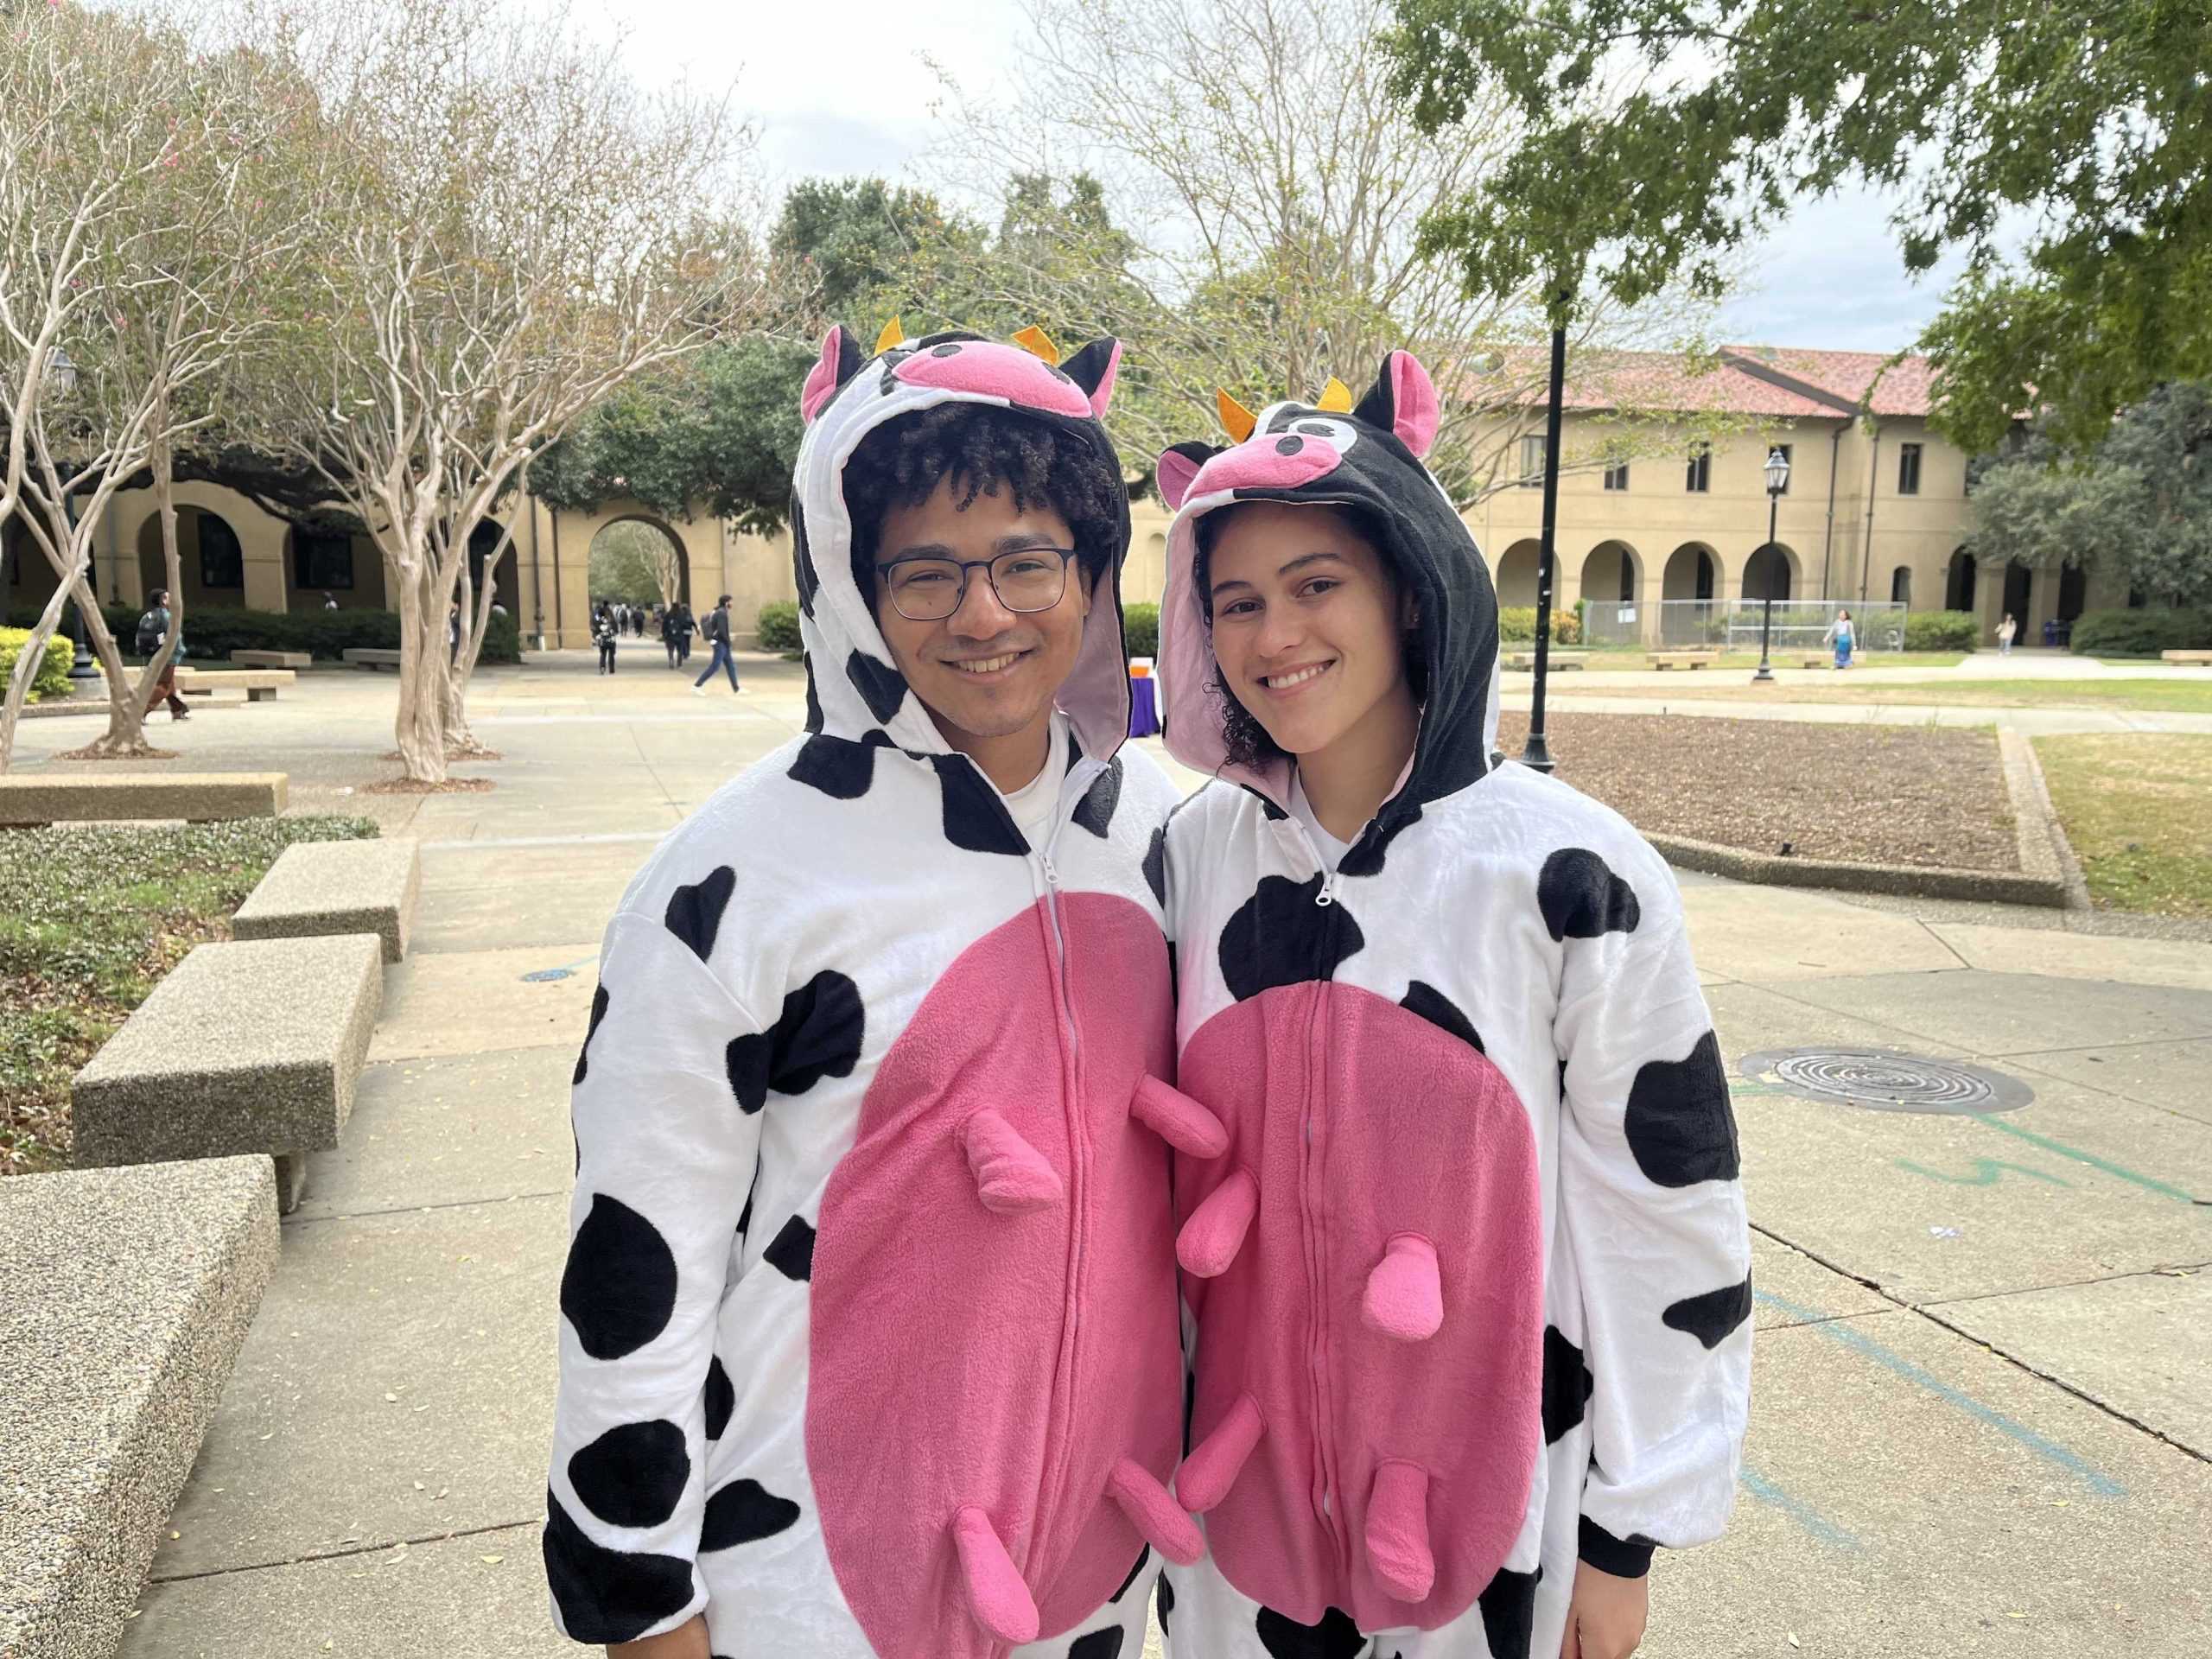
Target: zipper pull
column 1051, row 875
column 1327, row 895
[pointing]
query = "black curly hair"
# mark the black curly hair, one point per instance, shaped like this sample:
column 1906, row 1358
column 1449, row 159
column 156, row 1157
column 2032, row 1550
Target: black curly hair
column 981, row 447
column 1244, row 740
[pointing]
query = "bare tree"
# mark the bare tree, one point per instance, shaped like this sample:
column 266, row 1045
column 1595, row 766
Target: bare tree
column 1269, row 186
column 125, row 198
column 517, row 234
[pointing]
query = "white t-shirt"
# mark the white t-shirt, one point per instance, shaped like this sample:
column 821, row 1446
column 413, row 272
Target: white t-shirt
column 1331, row 850
column 1032, row 805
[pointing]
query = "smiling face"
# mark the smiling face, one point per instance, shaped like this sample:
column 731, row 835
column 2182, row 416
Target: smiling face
column 1308, row 625
column 987, row 675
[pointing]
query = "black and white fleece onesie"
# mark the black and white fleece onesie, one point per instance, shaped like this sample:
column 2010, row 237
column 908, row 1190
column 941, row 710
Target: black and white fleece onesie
column 870, row 1340
column 1468, row 1293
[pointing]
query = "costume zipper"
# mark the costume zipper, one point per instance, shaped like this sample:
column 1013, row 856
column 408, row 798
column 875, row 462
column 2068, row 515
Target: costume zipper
column 1051, row 1492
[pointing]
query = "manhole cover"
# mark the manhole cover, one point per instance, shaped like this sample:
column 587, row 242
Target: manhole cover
column 1887, row 1080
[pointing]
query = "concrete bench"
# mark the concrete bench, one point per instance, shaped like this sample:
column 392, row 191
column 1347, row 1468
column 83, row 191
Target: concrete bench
column 1682, row 658
column 370, row 656
column 2203, row 657
column 250, row 1046
column 318, row 888
column 272, row 658
column 1555, row 660
column 260, row 684
column 129, row 1292
column 195, row 796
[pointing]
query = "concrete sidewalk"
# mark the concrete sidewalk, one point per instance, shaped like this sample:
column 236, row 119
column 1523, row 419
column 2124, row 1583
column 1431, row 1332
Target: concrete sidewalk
column 1983, row 1408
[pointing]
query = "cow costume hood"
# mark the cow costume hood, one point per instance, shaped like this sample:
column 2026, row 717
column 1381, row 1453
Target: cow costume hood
column 1467, row 1291
column 868, row 1342
column 853, row 687
column 1368, row 456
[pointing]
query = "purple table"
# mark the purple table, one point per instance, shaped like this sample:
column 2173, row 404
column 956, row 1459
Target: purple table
column 1144, row 707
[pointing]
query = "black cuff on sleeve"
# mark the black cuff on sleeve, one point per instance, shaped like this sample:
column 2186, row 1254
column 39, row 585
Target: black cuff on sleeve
column 1624, row 1559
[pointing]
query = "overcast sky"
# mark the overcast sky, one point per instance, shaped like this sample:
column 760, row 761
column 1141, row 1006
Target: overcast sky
column 837, row 86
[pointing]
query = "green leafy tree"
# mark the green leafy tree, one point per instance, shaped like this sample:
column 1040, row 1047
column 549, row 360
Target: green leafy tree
column 1662, row 136
column 2139, row 506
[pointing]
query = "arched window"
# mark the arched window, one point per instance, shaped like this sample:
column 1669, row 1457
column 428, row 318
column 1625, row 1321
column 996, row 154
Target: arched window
column 222, row 563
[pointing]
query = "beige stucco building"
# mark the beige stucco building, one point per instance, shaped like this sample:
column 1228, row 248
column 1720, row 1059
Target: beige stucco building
column 1877, row 509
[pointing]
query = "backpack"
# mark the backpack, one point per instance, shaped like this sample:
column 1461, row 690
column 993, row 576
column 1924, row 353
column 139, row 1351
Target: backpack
column 150, row 635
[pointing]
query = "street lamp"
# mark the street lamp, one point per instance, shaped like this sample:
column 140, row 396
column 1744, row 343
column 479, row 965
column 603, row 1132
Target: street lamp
column 61, row 375
column 1535, row 754
column 1777, row 480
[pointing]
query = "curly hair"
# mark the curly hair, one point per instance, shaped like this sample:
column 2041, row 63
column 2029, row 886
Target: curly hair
column 1245, row 740
column 980, row 447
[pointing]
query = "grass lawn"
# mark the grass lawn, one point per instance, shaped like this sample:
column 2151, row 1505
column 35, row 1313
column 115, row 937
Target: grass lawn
column 90, row 920
column 2176, row 696
column 2137, row 807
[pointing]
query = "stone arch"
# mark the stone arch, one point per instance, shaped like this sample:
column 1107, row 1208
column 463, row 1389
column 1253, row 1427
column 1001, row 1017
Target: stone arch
column 211, row 559
column 1516, row 575
column 1900, row 585
column 1770, row 573
column 1959, row 580
column 1612, row 574
column 1693, row 572
column 681, row 554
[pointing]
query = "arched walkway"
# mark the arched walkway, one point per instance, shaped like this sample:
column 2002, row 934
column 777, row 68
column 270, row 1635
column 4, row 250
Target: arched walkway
column 1770, row 573
column 27, row 579
column 483, row 542
column 210, row 562
column 1517, row 575
column 1691, row 573
column 2019, row 591
column 640, row 560
column 1611, row 573
column 1959, row 581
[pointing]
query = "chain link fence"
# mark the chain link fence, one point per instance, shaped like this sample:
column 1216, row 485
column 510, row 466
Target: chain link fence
column 1799, row 624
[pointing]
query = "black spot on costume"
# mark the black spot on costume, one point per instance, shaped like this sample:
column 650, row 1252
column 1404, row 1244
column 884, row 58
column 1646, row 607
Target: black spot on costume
column 1335, row 1637
column 1567, row 1384
column 1434, row 1007
column 743, row 1512
column 598, row 1014
column 1282, row 936
column 1711, row 1316
column 608, row 1595
column 792, row 1251
column 619, row 1288
column 1581, row 898
column 817, row 1036
column 695, row 913
column 1680, row 1128
column 633, row 1475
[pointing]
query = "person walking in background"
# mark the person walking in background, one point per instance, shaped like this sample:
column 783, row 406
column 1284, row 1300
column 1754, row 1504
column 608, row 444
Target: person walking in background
column 1840, row 634
column 685, row 627
column 2007, row 631
column 153, row 629
column 330, row 602
column 717, row 632
column 604, row 635
column 668, row 634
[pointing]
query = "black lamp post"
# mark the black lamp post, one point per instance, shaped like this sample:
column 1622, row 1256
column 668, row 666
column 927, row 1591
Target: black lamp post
column 61, row 375
column 1536, row 753
column 1777, row 479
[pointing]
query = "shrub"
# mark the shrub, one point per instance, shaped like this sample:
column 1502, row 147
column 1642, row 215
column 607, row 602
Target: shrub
column 215, row 632
column 1140, row 630
column 778, row 627
column 1941, row 631
column 52, row 679
column 1516, row 626
column 2141, row 633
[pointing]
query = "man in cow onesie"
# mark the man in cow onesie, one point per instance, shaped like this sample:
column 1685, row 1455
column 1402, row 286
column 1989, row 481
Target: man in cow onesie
column 1469, row 1287
column 869, row 1343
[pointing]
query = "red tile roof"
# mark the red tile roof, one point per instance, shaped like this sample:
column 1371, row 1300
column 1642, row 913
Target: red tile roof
column 1603, row 379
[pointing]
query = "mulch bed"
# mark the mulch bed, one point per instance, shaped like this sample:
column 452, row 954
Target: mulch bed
column 1907, row 795
column 411, row 786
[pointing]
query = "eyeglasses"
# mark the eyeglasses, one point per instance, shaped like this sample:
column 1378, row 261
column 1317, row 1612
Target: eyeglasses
column 927, row 590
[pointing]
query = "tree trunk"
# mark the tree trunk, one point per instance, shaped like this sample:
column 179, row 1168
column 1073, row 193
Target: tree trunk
column 26, row 669
column 418, row 732
column 127, row 704
column 126, row 736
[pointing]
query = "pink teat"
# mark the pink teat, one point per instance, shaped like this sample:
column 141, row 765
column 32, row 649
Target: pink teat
column 1267, row 460
column 993, row 370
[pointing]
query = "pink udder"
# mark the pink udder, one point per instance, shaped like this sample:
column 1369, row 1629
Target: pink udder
column 973, row 1219
column 1271, row 461
column 1381, row 1318
column 986, row 367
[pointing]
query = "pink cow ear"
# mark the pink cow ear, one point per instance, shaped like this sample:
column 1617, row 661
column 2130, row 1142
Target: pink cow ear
column 840, row 361
column 1179, row 466
column 1403, row 400
column 1093, row 369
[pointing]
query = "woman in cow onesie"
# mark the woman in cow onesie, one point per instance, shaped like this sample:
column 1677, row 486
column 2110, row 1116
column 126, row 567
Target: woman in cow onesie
column 870, row 1340
column 1467, row 1291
